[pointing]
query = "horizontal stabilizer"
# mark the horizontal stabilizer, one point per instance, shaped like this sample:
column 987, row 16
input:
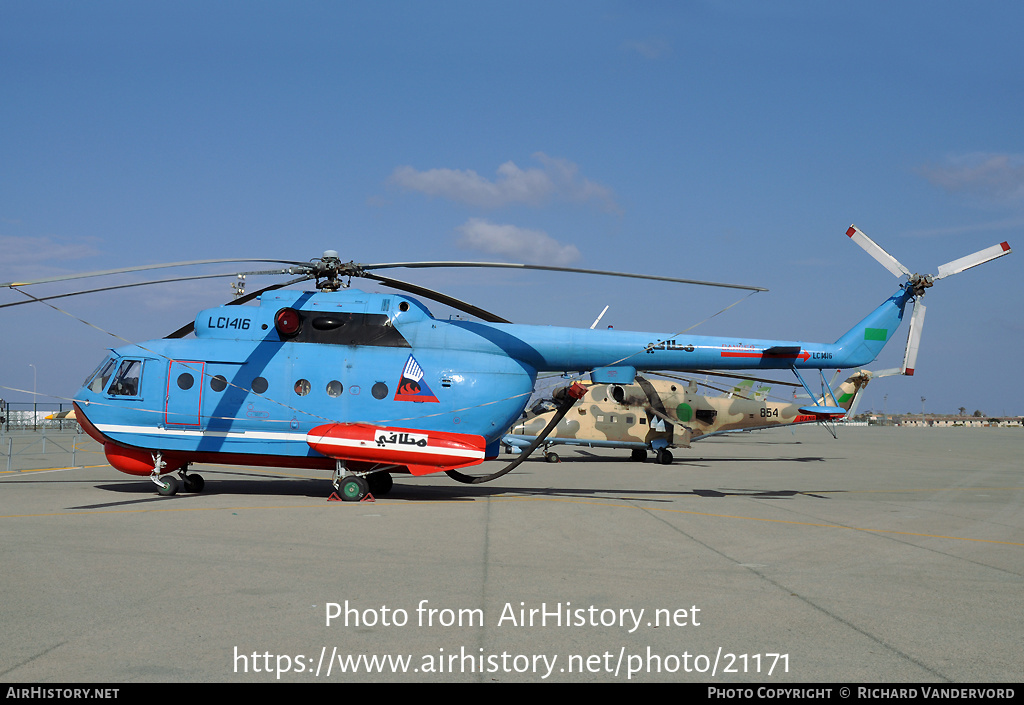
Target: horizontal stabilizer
column 782, row 350
column 823, row 410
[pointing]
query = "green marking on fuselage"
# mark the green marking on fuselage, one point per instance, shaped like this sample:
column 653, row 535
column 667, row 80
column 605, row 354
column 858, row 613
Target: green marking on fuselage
column 876, row 334
column 684, row 412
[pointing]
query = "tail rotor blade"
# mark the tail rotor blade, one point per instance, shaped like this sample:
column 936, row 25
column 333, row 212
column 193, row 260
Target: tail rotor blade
column 980, row 257
column 913, row 339
column 873, row 249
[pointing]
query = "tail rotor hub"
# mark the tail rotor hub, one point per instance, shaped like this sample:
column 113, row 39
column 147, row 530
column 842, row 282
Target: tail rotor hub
column 920, row 282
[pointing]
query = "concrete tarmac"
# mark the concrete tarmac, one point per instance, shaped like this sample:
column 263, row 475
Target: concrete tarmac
column 887, row 556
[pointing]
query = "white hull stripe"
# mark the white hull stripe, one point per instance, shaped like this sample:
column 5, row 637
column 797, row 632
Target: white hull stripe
column 110, row 429
column 428, row 450
column 273, row 436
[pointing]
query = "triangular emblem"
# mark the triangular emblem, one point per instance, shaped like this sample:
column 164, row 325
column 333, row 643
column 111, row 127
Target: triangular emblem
column 411, row 386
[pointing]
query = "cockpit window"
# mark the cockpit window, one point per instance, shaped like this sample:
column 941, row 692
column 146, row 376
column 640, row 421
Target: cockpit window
column 97, row 382
column 126, row 381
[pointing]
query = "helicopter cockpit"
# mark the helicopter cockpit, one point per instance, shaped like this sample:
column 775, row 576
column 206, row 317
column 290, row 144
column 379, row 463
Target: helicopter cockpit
column 124, row 383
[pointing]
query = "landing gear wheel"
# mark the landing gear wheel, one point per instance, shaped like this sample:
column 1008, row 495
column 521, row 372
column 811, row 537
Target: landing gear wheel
column 664, row 456
column 194, row 483
column 552, row 457
column 380, row 483
column 638, row 455
column 169, row 488
column 353, row 488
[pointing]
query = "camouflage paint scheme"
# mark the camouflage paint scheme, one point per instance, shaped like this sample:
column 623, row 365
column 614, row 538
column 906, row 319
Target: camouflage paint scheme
column 621, row 415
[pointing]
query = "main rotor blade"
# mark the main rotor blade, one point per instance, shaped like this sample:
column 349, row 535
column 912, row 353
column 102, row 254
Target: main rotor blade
column 547, row 268
column 165, row 265
column 913, row 338
column 979, row 257
column 129, row 286
column 873, row 249
column 439, row 297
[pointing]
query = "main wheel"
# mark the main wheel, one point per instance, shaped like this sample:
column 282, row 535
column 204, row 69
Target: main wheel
column 552, row 457
column 380, row 483
column 638, row 455
column 664, row 456
column 194, row 483
column 354, row 488
column 169, row 488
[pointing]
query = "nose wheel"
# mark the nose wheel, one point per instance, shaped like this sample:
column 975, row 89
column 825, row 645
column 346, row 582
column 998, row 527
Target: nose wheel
column 168, row 485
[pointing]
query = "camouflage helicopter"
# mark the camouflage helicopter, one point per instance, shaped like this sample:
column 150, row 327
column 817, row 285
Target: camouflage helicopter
column 657, row 414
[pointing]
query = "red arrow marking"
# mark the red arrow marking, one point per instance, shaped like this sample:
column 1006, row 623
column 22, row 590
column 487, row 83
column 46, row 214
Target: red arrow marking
column 802, row 355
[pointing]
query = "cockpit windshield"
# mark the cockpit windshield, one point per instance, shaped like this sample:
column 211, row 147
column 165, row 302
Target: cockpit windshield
column 97, row 381
column 126, row 381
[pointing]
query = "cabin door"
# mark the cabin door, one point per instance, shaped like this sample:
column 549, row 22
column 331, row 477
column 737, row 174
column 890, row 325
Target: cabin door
column 184, row 393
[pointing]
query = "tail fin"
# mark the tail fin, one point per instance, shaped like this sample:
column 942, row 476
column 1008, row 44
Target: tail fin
column 743, row 389
column 847, row 393
column 861, row 344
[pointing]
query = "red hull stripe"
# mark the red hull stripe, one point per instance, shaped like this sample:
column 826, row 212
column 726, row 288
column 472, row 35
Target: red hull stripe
column 802, row 355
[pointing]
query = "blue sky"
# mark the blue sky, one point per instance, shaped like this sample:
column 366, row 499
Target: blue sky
column 730, row 141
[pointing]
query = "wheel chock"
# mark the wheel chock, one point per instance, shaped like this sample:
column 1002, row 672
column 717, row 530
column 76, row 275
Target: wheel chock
column 335, row 498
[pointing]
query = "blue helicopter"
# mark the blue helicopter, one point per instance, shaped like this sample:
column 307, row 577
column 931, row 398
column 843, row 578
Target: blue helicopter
column 370, row 384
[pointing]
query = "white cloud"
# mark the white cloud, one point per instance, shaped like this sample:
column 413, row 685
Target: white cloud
column 521, row 244
column 38, row 257
column 25, row 250
column 996, row 178
column 1012, row 223
column 555, row 179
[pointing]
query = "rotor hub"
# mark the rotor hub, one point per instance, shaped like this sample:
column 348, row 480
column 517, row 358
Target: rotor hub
column 329, row 270
column 920, row 282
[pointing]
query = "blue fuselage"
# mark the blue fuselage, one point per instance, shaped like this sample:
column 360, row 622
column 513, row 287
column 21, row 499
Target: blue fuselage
column 244, row 386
